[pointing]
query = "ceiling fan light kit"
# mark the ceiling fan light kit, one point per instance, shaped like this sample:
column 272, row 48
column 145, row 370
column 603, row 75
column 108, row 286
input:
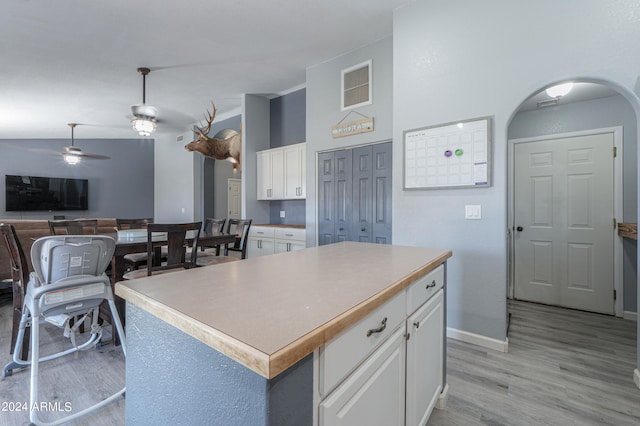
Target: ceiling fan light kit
column 144, row 121
column 72, row 154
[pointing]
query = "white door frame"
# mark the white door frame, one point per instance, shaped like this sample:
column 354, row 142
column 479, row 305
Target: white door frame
column 229, row 180
column 617, row 206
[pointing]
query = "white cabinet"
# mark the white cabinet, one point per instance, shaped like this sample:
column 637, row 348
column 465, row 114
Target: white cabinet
column 294, row 171
column 260, row 241
column 289, row 239
column 374, row 393
column 265, row 240
column 424, row 359
column 395, row 378
column 281, row 173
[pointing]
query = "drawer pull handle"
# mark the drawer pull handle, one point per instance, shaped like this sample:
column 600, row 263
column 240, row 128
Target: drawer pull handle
column 289, row 235
column 432, row 285
column 379, row 329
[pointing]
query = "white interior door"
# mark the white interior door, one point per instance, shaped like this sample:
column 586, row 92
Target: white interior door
column 234, row 198
column 563, row 219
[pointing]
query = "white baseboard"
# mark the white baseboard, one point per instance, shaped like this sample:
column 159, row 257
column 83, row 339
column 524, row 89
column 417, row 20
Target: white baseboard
column 636, row 377
column 441, row 403
column 478, row 339
column 633, row 316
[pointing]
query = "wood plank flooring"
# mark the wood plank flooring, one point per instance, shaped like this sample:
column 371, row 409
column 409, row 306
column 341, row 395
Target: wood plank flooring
column 564, row 367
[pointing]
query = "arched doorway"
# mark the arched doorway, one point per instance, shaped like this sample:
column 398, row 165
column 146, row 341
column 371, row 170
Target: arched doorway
column 558, row 269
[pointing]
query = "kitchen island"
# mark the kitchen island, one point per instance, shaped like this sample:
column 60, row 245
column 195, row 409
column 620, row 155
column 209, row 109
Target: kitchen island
column 277, row 340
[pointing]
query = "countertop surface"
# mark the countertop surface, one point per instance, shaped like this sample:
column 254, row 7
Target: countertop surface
column 269, row 312
column 276, row 225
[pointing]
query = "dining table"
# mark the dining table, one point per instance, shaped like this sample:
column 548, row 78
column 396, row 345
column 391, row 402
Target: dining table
column 127, row 242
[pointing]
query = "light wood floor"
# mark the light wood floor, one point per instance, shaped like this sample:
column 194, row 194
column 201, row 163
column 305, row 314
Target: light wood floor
column 564, row 367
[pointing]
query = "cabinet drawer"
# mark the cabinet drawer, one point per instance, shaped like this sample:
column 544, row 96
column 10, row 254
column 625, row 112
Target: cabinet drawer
column 346, row 351
column 420, row 291
column 261, row 231
column 290, row 234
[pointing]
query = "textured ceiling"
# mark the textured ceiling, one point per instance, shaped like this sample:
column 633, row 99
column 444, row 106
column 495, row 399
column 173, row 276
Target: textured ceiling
column 68, row 61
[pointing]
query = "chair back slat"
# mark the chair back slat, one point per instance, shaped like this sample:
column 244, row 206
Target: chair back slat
column 123, row 224
column 214, row 225
column 177, row 235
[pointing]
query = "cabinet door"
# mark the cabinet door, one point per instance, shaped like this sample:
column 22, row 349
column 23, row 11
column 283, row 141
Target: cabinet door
column 259, row 247
column 264, row 175
column 283, row 246
column 292, row 173
column 277, row 174
column 424, row 359
column 374, row 393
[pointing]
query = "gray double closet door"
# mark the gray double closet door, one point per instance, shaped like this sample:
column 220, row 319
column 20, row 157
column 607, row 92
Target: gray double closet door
column 354, row 194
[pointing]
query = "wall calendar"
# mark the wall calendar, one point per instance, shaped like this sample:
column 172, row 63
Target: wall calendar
column 451, row 155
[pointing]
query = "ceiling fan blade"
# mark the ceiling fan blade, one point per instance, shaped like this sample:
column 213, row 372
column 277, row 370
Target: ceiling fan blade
column 95, row 156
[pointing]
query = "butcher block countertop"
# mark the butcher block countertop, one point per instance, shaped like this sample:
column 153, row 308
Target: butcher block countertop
column 269, row 312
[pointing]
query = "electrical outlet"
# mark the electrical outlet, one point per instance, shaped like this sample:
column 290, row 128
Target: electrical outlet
column 281, row 213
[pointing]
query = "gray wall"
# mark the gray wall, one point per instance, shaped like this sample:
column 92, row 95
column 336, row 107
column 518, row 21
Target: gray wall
column 459, row 59
column 122, row 186
column 177, row 183
column 323, row 111
column 216, row 173
column 256, row 118
column 599, row 113
column 287, row 126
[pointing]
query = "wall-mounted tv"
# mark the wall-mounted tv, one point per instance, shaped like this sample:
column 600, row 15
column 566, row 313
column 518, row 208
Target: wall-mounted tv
column 31, row 193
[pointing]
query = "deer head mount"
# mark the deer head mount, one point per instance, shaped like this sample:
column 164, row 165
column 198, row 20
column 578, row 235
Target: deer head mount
column 220, row 149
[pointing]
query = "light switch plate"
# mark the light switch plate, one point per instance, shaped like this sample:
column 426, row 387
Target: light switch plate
column 473, row 212
column 281, row 213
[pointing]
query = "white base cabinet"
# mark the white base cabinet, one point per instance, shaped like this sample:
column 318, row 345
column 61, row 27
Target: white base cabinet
column 374, row 375
column 265, row 240
column 374, row 393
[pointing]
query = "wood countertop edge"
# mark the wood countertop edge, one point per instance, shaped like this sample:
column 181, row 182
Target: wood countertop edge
column 235, row 349
column 270, row 366
column 284, row 358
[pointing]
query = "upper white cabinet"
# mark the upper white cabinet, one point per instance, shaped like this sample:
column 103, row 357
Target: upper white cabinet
column 281, row 173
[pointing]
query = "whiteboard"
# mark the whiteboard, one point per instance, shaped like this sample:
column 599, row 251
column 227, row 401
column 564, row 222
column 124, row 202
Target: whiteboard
column 451, row 155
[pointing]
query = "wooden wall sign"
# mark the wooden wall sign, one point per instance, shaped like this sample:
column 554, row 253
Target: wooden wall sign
column 352, row 127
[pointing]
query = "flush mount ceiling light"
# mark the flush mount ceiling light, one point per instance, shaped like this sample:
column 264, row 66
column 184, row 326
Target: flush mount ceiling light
column 144, row 121
column 559, row 90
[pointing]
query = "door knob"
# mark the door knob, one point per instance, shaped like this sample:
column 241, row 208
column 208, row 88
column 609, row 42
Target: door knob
column 363, row 229
column 519, row 228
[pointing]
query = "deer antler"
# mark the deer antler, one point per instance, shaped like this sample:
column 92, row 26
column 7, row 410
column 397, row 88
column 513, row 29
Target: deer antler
column 209, row 120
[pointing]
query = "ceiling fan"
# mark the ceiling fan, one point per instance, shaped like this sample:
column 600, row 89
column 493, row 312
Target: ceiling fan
column 72, row 154
column 145, row 116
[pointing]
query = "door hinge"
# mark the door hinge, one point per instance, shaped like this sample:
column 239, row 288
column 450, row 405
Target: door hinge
column 615, row 295
column 615, row 151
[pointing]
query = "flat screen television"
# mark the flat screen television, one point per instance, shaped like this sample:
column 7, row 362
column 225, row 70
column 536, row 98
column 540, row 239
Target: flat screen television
column 32, row 193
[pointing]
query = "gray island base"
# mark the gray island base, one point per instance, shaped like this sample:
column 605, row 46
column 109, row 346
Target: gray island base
column 174, row 379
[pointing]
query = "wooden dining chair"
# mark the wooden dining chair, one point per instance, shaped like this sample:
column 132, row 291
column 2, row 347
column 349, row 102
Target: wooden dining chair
column 240, row 227
column 134, row 261
column 74, row 227
column 179, row 237
column 212, row 225
column 20, row 278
